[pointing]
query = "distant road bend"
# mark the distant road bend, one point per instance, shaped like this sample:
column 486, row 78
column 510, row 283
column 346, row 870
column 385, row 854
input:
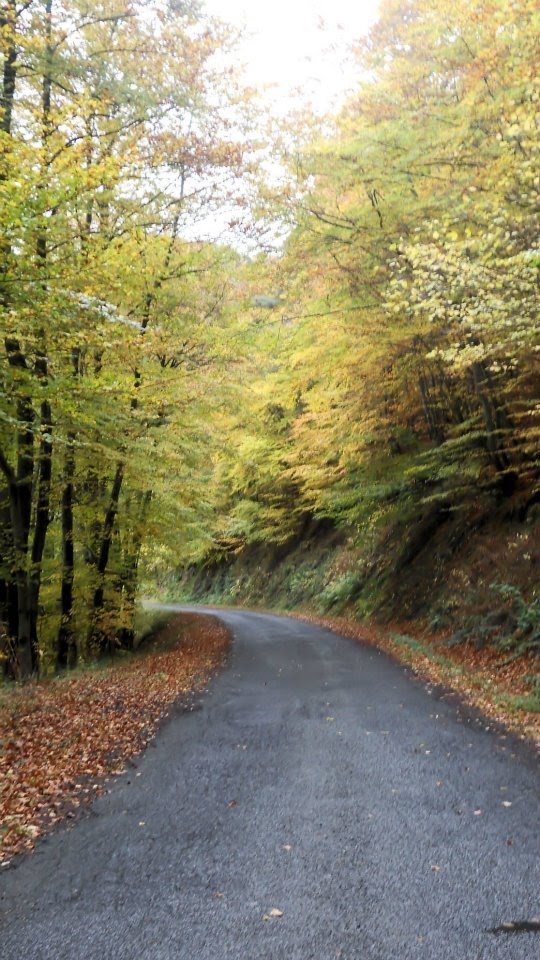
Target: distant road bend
column 319, row 803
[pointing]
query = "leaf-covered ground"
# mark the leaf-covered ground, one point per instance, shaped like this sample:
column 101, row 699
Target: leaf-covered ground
column 59, row 739
column 501, row 690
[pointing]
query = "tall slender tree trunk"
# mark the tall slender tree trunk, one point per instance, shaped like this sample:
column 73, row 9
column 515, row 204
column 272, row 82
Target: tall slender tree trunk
column 66, row 648
column 21, row 487
column 496, row 421
column 97, row 638
column 431, row 412
column 8, row 20
column 8, row 589
column 44, row 462
column 130, row 572
column 41, row 525
column 66, row 655
column 9, row 600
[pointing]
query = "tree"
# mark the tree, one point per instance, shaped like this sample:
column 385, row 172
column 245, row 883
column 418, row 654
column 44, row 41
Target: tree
column 113, row 144
column 413, row 270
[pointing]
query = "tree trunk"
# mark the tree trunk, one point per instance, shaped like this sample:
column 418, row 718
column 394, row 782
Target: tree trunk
column 43, row 492
column 66, row 655
column 131, row 572
column 430, row 412
column 495, row 418
column 96, row 636
column 41, row 524
column 8, row 19
column 23, row 655
column 8, row 589
column 20, row 485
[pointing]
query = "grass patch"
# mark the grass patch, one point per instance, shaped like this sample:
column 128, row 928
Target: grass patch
column 528, row 702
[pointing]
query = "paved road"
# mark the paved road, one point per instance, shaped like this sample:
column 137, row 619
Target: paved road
column 319, row 779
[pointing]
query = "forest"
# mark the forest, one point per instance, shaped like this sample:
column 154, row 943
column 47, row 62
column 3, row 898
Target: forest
column 224, row 343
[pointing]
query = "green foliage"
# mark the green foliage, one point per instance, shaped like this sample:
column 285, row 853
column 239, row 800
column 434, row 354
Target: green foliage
column 340, row 592
column 522, row 634
column 404, row 355
column 530, row 702
column 116, row 347
column 161, row 407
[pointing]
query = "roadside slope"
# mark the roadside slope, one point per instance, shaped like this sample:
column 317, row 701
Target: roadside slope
column 457, row 600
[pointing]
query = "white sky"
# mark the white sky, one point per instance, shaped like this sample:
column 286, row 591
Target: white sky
column 301, row 44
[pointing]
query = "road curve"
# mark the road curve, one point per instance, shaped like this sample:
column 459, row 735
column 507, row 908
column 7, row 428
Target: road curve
column 316, row 778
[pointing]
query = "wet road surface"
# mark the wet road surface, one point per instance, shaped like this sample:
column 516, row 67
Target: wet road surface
column 316, row 778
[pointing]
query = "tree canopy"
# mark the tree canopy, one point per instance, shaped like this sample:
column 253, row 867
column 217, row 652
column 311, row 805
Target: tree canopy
column 166, row 400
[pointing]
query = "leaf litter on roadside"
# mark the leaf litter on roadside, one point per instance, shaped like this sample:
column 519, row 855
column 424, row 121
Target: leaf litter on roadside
column 58, row 737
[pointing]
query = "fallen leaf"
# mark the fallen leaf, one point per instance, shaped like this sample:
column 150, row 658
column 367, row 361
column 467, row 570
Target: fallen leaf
column 110, row 717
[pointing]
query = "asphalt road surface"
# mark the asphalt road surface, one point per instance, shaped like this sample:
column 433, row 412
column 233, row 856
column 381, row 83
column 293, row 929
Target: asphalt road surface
column 315, row 778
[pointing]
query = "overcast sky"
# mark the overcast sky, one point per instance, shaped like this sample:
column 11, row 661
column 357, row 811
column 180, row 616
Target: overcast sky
column 299, row 44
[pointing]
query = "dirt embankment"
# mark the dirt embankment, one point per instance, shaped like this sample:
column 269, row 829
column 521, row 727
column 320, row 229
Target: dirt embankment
column 455, row 594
